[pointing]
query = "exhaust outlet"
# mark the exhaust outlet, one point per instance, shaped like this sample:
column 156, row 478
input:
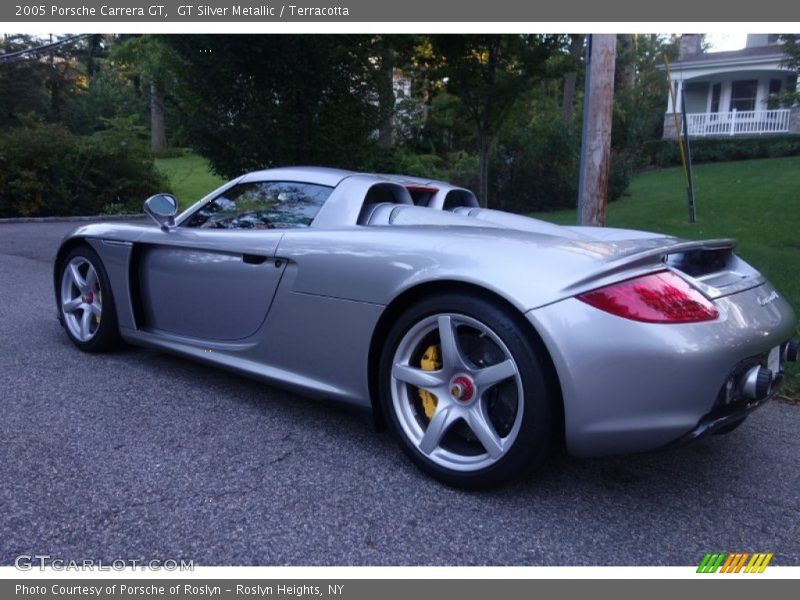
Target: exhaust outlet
column 792, row 350
column 757, row 383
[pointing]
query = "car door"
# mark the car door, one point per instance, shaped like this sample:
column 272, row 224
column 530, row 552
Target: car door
column 215, row 275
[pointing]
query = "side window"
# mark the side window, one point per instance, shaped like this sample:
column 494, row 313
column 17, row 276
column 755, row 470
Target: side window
column 262, row 205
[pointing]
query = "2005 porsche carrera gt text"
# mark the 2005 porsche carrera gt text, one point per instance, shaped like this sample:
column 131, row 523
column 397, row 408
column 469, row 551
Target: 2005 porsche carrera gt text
column 478, row 336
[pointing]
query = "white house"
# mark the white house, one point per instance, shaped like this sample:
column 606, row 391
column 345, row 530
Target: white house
column 732, row 93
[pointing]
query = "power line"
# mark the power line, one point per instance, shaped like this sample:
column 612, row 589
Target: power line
column 20, row 53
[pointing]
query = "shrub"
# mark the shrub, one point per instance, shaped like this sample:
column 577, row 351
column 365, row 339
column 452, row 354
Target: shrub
column 46, row 170
column 535, row 167
column 464, row 170
column 107, row 97
column 460, row 168
column 665, row 153
column 173, row 152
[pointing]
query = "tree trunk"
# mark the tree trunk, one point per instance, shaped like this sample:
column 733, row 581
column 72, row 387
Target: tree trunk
column 568, row 99
column 158, row 133
column 386, row 98
column 627, row 51
column 484, row 145
column 596, row 146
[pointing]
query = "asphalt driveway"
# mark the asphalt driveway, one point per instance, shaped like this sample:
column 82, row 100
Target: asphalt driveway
column 140, row 455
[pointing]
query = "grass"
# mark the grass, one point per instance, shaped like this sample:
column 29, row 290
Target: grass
column 757, row 202
column 189, row 176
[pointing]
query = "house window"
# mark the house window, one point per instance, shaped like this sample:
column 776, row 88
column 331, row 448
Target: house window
column 716, row 92
column 772, row 38
column 773, row 97
column 743, row 94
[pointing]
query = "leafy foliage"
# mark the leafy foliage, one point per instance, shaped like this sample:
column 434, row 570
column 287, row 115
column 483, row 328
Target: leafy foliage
column 263, row 101
column 47, row 170
column 488, row 74
column 495, row 113
column 22, row 84
column 665, row 153
column 107, row 96
column 791, row 47
column 536, row 165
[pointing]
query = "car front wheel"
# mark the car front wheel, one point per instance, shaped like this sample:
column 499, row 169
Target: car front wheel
column 86, row 306
column 464, row 390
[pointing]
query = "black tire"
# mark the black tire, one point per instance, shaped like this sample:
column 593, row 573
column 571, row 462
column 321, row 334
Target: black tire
column 104, row 332
column 534, row 428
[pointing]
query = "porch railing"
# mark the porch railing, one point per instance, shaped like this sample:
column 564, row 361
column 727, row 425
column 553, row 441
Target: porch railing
column 742, row 122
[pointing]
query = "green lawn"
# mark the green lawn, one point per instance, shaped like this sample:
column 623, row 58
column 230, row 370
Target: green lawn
column 757, row 202
column 189, row 177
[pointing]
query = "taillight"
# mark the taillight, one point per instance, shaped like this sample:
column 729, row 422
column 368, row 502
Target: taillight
column 656, row 298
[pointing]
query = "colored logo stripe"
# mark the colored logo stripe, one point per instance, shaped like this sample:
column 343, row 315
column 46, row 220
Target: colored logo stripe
column 758, row 563
column 711, row 562
column 734, row 562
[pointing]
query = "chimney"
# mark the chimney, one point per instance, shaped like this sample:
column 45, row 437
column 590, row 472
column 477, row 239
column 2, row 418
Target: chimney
column 690, row 44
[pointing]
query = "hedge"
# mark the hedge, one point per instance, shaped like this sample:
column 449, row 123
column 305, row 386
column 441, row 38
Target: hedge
column 665, row 153
column 46, row 170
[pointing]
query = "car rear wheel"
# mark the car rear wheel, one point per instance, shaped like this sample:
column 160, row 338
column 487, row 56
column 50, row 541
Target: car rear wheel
column 86, row 306
column 464, row 390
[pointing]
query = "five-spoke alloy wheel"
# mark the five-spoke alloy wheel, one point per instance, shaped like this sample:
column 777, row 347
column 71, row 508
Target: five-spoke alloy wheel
column 463, row 389
column 85, row 303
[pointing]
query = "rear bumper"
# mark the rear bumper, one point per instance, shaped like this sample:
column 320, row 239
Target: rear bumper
column 632, row 387
column 717, row 419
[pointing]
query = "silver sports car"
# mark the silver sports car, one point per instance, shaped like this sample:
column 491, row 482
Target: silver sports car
column 479, row 337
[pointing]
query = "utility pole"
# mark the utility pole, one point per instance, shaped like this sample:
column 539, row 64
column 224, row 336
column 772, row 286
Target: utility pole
column 596, row 141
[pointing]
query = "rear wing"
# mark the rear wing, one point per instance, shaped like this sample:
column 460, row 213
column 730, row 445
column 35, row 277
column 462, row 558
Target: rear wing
column 710, row 265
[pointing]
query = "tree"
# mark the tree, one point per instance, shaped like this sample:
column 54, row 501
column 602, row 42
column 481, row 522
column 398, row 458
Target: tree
column 571, row 77
column 22, row 82
column 639, row 90
column 791, row 47
column 40, row 77
column 148, row 58
column 263, row 101
column 488, row 74
column 106, row 96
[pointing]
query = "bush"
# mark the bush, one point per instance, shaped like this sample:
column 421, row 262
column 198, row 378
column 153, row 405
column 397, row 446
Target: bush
column 107, row 97
column 173, row 152
column 45, row 170
column 464, row 170
column 535, row 167
column 665, row 153
column 460, row 168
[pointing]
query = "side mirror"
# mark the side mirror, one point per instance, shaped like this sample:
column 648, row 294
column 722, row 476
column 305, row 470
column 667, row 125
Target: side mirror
column 162, row 208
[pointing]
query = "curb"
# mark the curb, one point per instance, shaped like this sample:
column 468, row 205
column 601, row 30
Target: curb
column 73, row 219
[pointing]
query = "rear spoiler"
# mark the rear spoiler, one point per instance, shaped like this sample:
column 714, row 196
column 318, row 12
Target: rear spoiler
column 709, row 265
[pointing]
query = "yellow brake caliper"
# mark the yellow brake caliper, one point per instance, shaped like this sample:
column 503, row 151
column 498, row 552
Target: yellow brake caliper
column 429, row 362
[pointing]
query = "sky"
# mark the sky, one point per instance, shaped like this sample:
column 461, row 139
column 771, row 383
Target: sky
column 721, row 42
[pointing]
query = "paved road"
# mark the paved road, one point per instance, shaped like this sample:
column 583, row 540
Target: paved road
column 138, row 454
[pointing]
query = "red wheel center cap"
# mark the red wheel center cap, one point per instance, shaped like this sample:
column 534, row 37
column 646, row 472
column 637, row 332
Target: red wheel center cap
column 88, row 297
column 462, row 388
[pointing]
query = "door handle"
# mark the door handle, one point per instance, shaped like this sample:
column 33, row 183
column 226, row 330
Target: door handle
column 253, row 259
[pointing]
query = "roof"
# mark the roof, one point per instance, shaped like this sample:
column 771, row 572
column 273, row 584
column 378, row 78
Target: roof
column 333, row 177
column 732, row 56
column 319, row 175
